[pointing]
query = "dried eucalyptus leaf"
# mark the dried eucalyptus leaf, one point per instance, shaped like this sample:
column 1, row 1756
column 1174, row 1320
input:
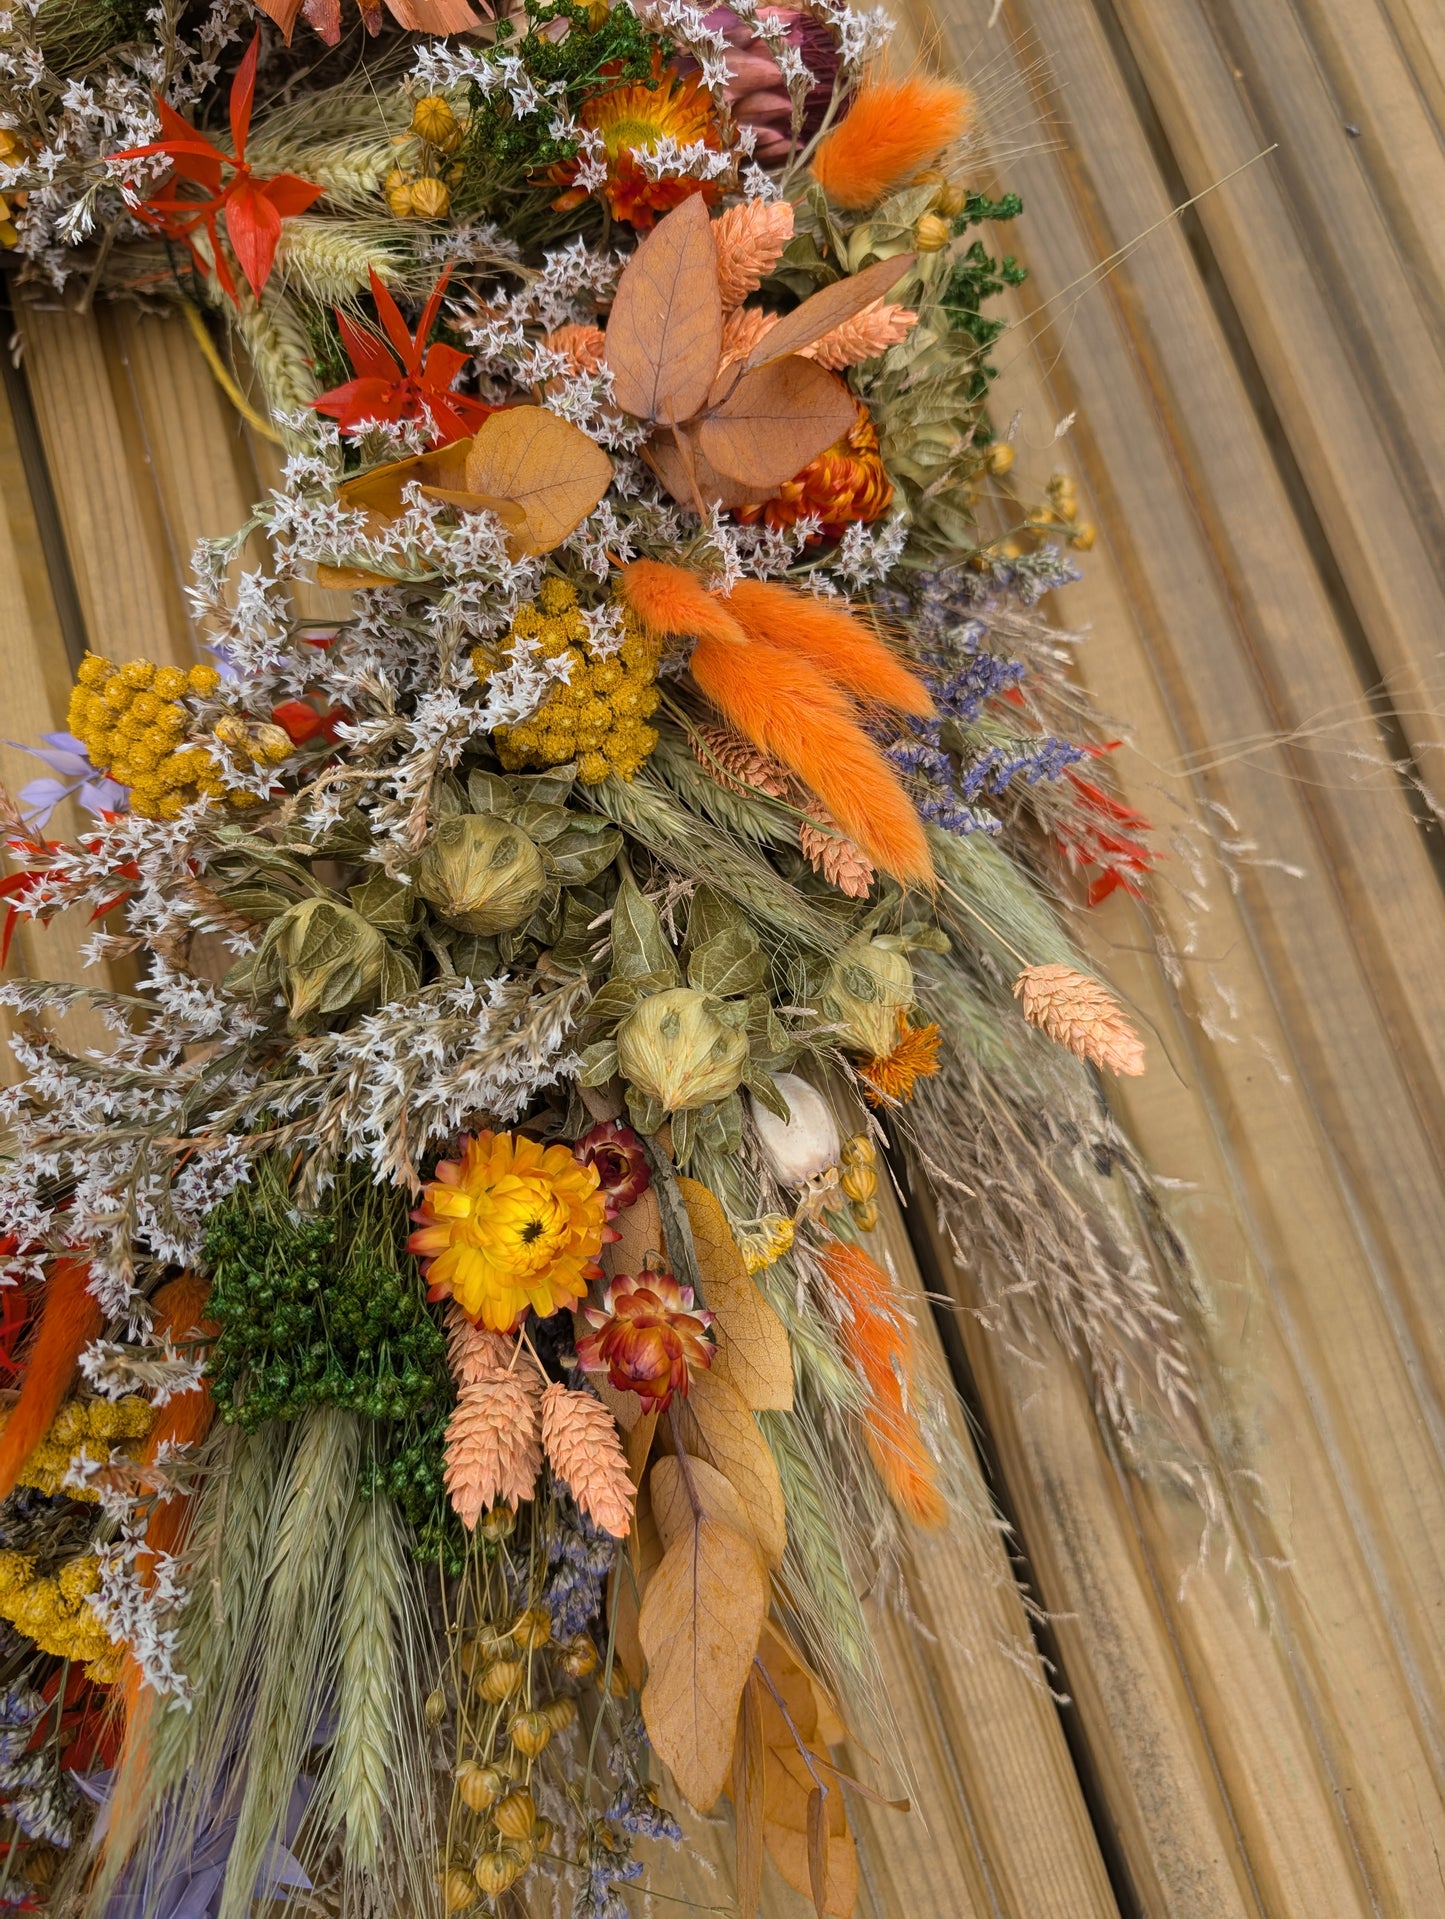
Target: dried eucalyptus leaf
column 664, row 335
column 775, row 420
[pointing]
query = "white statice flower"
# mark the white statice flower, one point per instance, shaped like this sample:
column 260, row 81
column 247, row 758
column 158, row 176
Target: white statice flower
column 606, row 629
column 671, row 159
column 114, row 1370
column 140, row 1614
column 866, row 554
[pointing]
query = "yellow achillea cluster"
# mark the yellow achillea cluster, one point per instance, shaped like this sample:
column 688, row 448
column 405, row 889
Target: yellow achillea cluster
column 89, row 1427
column 597, row 716
column 133, row 725
column 52, row 1612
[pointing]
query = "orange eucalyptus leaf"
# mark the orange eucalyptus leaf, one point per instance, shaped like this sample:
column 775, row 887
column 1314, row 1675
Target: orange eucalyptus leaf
column 664, row 335
column 775, row 420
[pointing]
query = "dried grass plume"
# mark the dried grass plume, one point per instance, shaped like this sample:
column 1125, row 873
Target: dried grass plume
column 580, row 1439
column 1078, row 1012
column 893, row 128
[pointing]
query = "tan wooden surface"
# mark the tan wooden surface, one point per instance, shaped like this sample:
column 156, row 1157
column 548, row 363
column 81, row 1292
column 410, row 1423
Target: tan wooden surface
column 1258, row 392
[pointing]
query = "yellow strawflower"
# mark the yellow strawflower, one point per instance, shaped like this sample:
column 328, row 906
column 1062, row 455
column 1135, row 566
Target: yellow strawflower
column 598, row 715
column 88, row 1428
column 54, row 1614
column 509, row 1225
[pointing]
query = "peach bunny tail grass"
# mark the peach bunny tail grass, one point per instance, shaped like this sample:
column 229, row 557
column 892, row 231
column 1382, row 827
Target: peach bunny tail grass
column 893, row 128
column 70, row 1318
column 675, row 604
column 879, row 1342
column 842, row 648
column 1078, row 1012
column 785, row 706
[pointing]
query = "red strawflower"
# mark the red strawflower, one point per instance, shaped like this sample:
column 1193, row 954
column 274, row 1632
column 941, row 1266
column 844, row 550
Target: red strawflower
column 648, row 1335
column 254, row 209
column 417, row 387
column 621, row 1162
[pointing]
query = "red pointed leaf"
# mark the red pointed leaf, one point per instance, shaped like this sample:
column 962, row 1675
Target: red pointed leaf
column 442, row 365
column 370, row 356
column 243, row 93
column 396, row 328
column 254, row 227
column 289, row 194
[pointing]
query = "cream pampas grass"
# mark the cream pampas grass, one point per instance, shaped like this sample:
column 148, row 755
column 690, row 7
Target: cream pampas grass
column 1077, row 1012
column 580, row 1439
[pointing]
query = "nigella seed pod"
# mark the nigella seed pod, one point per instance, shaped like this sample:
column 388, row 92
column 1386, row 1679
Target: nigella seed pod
column 479, row 1786
column 515, row 1816
column 674, row 1048
column 481, row 874
column 500, row 1680
column 560, row 1713
column 533, row 1627
column 529, row 1733
column 806, row 1142
column 578, row 1658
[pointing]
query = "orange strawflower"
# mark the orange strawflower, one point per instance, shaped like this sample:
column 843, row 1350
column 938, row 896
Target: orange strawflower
column 894, row 1075
column 509, row 1225
column 846, row 483
column 893, row 128
column 635, row 119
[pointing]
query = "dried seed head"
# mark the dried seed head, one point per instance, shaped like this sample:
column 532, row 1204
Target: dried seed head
column 577, row 1658
column 560, row 1713
column 533, row 1628
column 458, row 1891
column 500, row 1680
column 1080, row 1013
column 432, row 200
column 479, row 1786
column 529, row 1733
column 515, row 1815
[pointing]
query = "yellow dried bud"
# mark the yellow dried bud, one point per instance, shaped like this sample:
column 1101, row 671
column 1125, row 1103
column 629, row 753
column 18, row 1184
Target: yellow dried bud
column 431, row 199
column 500, row 1680
column 516, row 1814
column 432, row 120
column 932, row 233
column 1083, row 536
column 497, row 1869
column 560, row 1713
column 865, row 1214
column 397, row 193
column 869, row 990
column 577, row 1658
column 1000, row 458
column 859, row 1150
column 497, row 1525
column 949, row 199
column 481, row 874
column 435, row 1709
column 529, row 1733
column 533, row 1627
column 458, row 1891
column 676, row 1049
column 859, row 1182
column 480, row 1786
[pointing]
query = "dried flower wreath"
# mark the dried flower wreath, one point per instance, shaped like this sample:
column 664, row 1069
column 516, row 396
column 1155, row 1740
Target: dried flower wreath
column 470, row 1286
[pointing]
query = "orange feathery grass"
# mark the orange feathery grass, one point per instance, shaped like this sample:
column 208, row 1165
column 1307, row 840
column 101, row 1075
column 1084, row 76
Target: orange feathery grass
column 879, row 1343
column 892, row 129
column 184, row 1420
column 894, row 1075
column 784, row 705
column 70, row 1318
column 842, row 648
column 675, row 604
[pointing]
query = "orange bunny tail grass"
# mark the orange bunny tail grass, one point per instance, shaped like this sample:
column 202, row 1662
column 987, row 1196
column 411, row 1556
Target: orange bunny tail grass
column 675, row 604
column 130, row 1797
column 842, row 648
column 784, row 705
column 892, row 129
column 70, row 1318
column 879, row 1343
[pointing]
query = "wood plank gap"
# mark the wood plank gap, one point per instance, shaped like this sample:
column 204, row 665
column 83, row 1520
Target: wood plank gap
column 945, row 1308
column 1374, row 682
column 44, row 506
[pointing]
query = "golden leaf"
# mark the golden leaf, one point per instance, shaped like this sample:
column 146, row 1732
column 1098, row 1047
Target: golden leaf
column 672, row 1505
column 628, row 1581
column 716, row 1426
column 789, row 1681
column 820, row 1800
column 753, row 1351
column 823, row 311
column 702, row 1612
column 775, row 420
column 545, row 465
column 378, row 493
column 664, row 336
column 789, row 1851
column 639, row 1232
column 749, row 1760
column 669, row 462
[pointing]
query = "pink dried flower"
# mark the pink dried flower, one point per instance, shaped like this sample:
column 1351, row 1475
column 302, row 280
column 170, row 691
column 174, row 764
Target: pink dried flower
column 579, row 1436
column 1080, row 1013
column 621, row 1162
column 750, row 239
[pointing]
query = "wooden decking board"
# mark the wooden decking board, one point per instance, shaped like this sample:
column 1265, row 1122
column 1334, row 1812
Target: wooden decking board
column 1240, row 589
